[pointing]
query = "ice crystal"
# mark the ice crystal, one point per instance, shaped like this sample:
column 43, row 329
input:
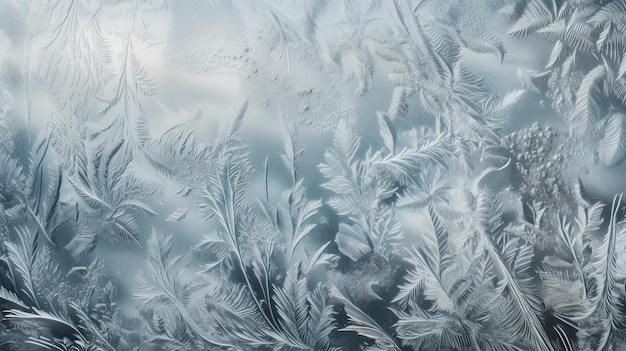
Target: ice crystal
column 312, row 175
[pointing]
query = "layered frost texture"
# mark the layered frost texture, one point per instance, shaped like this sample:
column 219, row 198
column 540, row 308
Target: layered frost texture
column 312, row 175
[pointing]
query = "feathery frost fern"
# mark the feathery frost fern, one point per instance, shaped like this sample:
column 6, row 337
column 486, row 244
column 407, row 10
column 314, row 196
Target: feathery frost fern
column 443, row 222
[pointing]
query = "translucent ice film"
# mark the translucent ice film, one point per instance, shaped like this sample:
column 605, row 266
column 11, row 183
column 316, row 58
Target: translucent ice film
column 319, row 175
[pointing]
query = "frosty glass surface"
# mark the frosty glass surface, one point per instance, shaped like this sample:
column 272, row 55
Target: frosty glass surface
column 312, row 175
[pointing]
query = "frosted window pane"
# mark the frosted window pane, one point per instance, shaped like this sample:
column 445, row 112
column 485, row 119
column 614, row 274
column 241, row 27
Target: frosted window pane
column 312, row 175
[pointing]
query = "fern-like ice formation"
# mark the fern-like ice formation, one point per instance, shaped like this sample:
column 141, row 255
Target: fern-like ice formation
column 312, row 175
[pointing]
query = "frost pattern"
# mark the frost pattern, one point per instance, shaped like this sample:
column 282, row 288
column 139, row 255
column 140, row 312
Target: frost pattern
column 312, row 175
